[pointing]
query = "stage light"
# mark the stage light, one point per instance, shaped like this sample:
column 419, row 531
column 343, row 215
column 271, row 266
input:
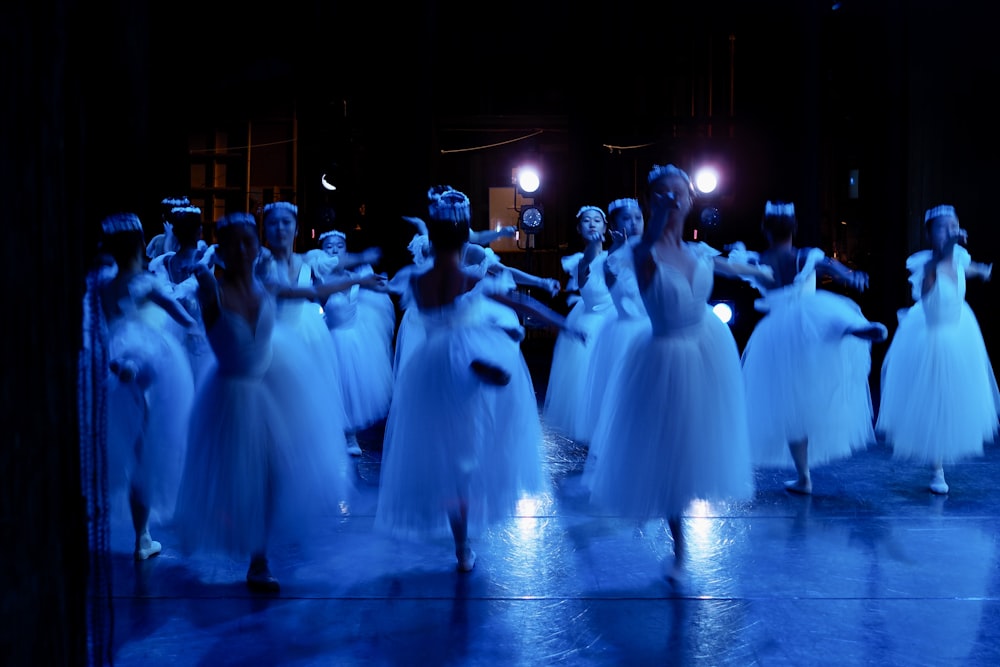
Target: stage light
column 531, row 219
column 528, row 180
column 327, row 185
column 706, row 180
column 724, row 311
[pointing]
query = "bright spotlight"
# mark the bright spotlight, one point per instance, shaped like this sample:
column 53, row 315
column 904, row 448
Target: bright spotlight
column 528, row 180
column 327, row 184
column 706, row 180
column 723, row 311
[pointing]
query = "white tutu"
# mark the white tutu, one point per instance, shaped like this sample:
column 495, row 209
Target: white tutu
column 449, row 435
column 566, row 394
column 677, row 430
column 148, row 416
column 364, row 357
column 260, row 466
column 194, row 339
column 612, row 340
column 379, row 308
column 805, row 378
column 939, row 398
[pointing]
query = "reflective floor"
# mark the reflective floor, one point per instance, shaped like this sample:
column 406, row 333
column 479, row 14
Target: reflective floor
column 870, row 570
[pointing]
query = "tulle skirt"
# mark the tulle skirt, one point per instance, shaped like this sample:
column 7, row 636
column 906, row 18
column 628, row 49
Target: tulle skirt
column 564, row 410
column 805, row 379
column 364, row 360
column 267, row 459
column 452, row 440
column 409, row 336
column 610, row 345
column 148, row 417
column 677, row 431
column 380, row 309
column 939, row 398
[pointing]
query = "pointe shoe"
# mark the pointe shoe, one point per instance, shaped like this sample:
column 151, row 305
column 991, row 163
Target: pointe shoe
column 466, row 559
column 795, row 486
column 353, row 448
column 875, row 332
column 938, row 485
column 674, row 573
column 260, row 579
column 147, row 547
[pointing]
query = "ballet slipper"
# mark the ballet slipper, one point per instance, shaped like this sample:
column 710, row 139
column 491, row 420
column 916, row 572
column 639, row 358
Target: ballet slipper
column 353, row 448
column 146, row 547
column 259, row 577
column 674, row 573
column 803, row 487
column 938, row 485
column 466, row 558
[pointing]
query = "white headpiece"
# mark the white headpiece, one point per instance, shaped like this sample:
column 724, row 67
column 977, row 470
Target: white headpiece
column 171, row 202
column 420, row 247
column 659, row 171
column 332, row 232
column 778, row 208
column 622, row 203
column 121, row 222
column 939, row 211
column 182, row 212
column 448, row 204
column 235, row 219
column 281, row 206
column 584, row 209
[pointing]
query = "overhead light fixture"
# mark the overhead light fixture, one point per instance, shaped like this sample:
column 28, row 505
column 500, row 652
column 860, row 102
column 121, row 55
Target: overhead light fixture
column 327, row 184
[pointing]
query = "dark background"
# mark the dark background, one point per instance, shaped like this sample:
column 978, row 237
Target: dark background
column 99, row 101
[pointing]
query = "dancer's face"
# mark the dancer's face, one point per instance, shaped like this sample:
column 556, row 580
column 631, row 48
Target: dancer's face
column 239, row 247
column 629, row 221
column 942, row 229
column 334, row 246
column 676, row 185
column 592, row 225
column 279, row 228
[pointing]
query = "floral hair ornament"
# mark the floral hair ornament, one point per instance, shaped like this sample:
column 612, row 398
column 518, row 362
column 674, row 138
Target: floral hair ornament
column 623, row 203
column 332, row 232
column 445, row 203
column 660, row 171
column 185, row 214
column 281, row 206
column 939, row 212
column 117, row 223
column 777, row 208
column 595, row 209
column 420, row 247
column 172, row 202
column 234, row 219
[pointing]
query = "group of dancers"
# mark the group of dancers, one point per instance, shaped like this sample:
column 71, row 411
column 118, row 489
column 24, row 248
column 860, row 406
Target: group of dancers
column 239, row 375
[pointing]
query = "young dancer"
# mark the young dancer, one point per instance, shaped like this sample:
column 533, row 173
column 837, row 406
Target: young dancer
column 659, row 449
column 260, row 468
column 807, row 361
column 151, row 388
column 564, row 409
column 939, row 399
column 463, row 436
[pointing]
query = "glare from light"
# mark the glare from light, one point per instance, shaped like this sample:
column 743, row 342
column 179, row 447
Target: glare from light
column 706, row 180
column 327, row 184
column 528, row 179
column 724, row 312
